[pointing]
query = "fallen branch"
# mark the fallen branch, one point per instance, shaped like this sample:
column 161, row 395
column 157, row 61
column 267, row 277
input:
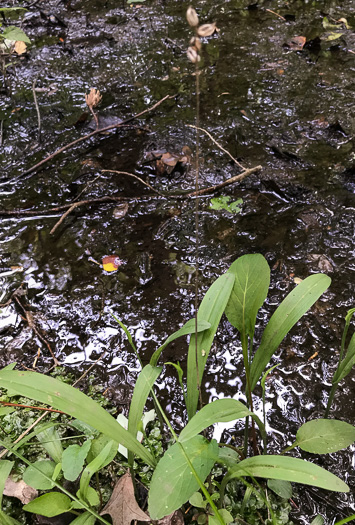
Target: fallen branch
column 92, row 134
column 111, row 198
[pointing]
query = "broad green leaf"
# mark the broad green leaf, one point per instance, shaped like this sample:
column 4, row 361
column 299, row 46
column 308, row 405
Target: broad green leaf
column 73, row 460
column 173, row 483
column 211, row 310
column 7, row 520
column 347, row 363
column 323, row 436
column 187, row 329
column 225, row 515
column 221, row 410
column 143, row 386
column 281, row 487
column 228, row 457
column 223, row 203
column 5, row 469
column 94, row 466
column 49, row 505
column 289, row 469
column 84, row 519
column 91, row 496
column 284, row 318
column 33, row 477
column 252, row 280
column 73, row 402
column 197, row 500
column 50, row 441
column 15, row 33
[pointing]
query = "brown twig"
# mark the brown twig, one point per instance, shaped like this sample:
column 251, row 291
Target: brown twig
column 72, row 207
column 135, row 177
column 37, row 110
column 3, row 403
column 228, row 182
column 276, row 14
column 92, row 134
column 32, row 325
column 217, row 144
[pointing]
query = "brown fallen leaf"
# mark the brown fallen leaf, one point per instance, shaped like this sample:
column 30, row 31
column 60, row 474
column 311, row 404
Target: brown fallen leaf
column 122, row 505
column 20, row 47
column 19, row 490
column 296, row 43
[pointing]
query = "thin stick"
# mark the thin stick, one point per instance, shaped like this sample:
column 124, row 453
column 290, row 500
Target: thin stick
column 72, row 207
column 134, row 177
column 90, row 368
column 112, row 198
column 276, row 14
column 37, row 109
column 30, row 406
column 92, row 134
column 1, row 132
column 217, row 144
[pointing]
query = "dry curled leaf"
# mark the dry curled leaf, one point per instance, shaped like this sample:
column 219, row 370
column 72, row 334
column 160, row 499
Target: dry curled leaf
column 20, row 490
column 20, row 47
column 196, row 43
column 122, row 505
column 206, row 29
column 93, row 99
column 111, row 263
column 192, row 55
column 191, row 17
column 296, row 43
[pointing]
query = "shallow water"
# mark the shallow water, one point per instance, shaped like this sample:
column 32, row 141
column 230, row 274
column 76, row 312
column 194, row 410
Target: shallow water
column 266, row 103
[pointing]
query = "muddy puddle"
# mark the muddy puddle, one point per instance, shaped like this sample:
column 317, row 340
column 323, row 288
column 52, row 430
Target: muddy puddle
column 277, row 88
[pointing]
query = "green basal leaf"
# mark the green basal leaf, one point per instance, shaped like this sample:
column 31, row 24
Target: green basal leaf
column 221, row 410
column 73, row 460
column 7, row 520
column 97, row 445
column 211, row 310
column 323, row 436
column 34, row 479
column 84, row 519
column 143, row 386
column 64, row 397
column 197, row 500
column 94, row 466
column 15, row 33
column 173, row 483
column 346, row 364
column 289, row 469
column 49, row 505
column 252, row 280
column 318, row 520
column 284, row 318
column 227, row 518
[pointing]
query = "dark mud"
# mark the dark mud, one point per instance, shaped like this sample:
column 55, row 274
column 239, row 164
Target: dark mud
column 267, row 103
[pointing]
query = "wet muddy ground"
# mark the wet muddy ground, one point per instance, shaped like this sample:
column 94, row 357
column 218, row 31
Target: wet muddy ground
column 269, row 98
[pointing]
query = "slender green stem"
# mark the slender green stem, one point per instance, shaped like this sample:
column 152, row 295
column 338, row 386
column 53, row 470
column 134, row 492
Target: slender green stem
column 62, row 489
column 196, row 476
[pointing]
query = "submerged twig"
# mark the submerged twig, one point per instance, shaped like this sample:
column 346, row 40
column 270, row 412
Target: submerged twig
column 92, row 134
column 37, row 110
column 134, row 177
column 217, row 144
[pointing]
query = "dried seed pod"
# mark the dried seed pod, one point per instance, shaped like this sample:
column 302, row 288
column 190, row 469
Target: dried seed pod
column 192, row 17
column 192, row 55
column 196, row 43
column 93, row 99
column 206, row 29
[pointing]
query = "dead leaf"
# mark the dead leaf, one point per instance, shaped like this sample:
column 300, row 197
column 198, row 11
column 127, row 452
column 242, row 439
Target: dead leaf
column 19, row 490
column 122, row 505
column 111, row 263
column 206, row 29
column 296, row 43
column 20, row 47
column 93, row 99
column 120, row 210
column 176, row 518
